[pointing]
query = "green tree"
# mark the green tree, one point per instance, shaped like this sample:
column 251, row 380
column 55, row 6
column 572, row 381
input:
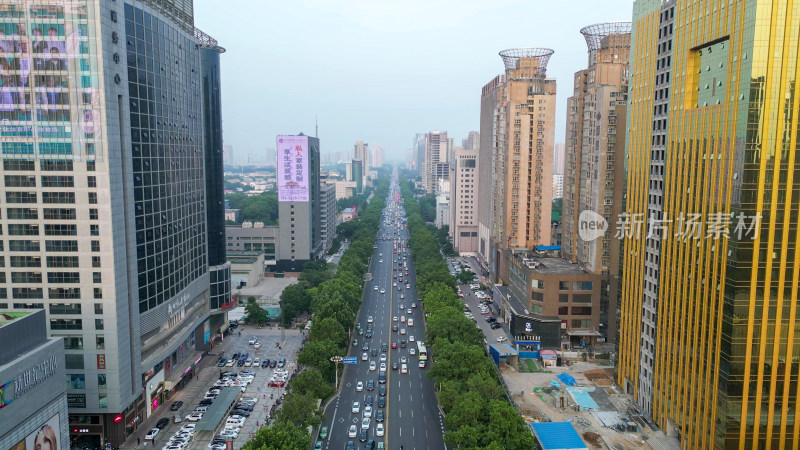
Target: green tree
column 299, row 410
column 295, row 300
column 450, row 324
column 427, row 207
column 465, row 276
column 310, row 382
column 328, row 329
column 255, row 313
column 282, row 435
column 316, row 272
column 317, row 354
column 337, row 308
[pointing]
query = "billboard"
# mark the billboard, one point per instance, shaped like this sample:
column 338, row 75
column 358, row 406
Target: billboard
column 45, row 437
column 292, row 168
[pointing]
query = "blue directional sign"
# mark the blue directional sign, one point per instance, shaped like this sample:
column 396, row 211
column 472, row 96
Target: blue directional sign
column 350, row 360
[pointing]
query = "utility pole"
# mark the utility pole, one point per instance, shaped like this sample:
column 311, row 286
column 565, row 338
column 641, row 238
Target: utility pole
column 336, row 360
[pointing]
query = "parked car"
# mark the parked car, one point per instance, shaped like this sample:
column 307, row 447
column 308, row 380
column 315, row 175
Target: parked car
column 152, row 434
column 176, row 406
column 162, row 423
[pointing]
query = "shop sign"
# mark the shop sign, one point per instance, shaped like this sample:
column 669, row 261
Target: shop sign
column 76, row 400
column 27, row 380
column 101, row 361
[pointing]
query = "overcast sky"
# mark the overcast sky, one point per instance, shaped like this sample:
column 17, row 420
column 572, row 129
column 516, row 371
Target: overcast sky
column 381, row 71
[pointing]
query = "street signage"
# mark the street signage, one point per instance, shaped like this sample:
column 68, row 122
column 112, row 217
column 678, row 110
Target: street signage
column 350, row 360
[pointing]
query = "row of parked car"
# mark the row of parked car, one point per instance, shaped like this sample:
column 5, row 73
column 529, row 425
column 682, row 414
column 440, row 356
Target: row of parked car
column 244, row 360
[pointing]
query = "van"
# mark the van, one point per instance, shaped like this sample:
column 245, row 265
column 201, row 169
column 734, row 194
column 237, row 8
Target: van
column 235, row 422
column 404, row 368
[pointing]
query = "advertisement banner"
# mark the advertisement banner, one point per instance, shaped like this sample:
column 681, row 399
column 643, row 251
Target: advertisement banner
column 46, row 436
column 292, row 168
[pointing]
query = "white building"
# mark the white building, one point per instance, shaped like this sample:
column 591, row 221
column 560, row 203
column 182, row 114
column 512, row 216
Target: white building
column 558, row 185
column 442, row 210
column 464, row 200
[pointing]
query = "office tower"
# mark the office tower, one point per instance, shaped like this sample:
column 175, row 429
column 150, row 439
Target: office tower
column 418, row 148
column 464, row 200
column 377, row 156
column 472, row 141
column 558, row 158
column 437, row 156
column 595, row 155
column 558, row 185
column 523, row 122
column 227, row 151
column 491, row 134
column 708, row 334
column 357, row 174
column 362, row 152
column 106, row 212
column 298, row 200
column 219, row 268
column 327, row 214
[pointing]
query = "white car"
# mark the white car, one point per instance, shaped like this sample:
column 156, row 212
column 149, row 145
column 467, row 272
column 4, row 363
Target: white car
column 356, row 408
column 383, row 357
column 257, row 345
column 252, row 341
column 394, row 319
column 365, row 423
column 194, row 417
column 380, row 261
column 403, row 360
column 383, row 367
column 364, row 356
column 248, row 363
column 402, row 295
column 376, row 288
column 412, row 351
column 502, row 339
column 383, row 291
column 230, row 363
column 359, row 386
column 256, row 362
column 369, row 319
column 409, row 311
column 372, row 366
column 250, row 398
column 379, row 430
column 233, row 428
column 152, row 434
column 402, row 331
column 353, row 432
column 411, row 338
column 368, row 411
column 188, row 428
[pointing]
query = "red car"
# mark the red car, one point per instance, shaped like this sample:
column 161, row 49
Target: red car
column 276, row 383
column 394, row 345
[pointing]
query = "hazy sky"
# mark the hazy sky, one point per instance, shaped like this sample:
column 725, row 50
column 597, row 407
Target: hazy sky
column 381, row 71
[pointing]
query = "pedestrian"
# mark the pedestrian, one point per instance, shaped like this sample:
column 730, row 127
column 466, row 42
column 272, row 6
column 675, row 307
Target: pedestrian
column 256, row 423
column 138, row 442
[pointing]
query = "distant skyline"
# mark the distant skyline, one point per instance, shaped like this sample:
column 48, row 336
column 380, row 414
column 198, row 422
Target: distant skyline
column 381, row 72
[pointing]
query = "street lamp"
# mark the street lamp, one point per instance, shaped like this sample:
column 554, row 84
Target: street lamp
column 336, row 360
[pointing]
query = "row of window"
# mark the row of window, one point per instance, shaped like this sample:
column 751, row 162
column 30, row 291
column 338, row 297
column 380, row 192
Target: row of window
column 49, row 214
column 47, row 197
column 45, row 165
column 30, row 293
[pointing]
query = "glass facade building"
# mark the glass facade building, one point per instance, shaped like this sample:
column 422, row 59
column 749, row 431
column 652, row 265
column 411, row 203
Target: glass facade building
column 104, row 220
column 708, row 333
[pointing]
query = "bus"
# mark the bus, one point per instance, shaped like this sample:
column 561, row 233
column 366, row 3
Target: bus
column 422, row 351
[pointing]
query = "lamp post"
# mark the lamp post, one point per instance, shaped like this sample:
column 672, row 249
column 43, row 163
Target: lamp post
column 336, row 360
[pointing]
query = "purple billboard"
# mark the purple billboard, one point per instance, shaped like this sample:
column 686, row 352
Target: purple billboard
column 292, row 168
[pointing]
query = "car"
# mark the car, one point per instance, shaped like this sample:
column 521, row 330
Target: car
column 176, row 406
column 376, row 288
column 360, row 331
column 252, row 340
column 370, row 319
column 257, row 345
column 230, row 363
column 379, row 416
column 402, row 295
column 367, row 411
column 411, row 338
column 221, row 362
column 368, row 334
column 495, row 325
column 394, row 328
column 364, row 356
column 381, row 402
column 228, row 434
column 352, row 432
column 265, row 364
column 151, row 435
column 403, row 360
column 282, row 362
column 403, row 368
column 362, row 436
column 277, row 383
column 394, row 345
column 217, row 445
column 395, row 284
column 380, row 260
column 241, row 412
column 323, row 432
column 374, row 352
column 383, row 291
column 356, row 408
column 402, row 307
column 194, row 417
column 355, row 342
column 359, row 386
column 162, row 423
column 383, row 367
column 365, row 423
column 379, row 430
column 273, row 363
column 410, row 311
column 372, row 366
column 370, row 385
column 491, row 319
column 249, row 398
column 383, row 358
column 394, row 366
column 394, row 319
column 244, row 406
column 383, row 347
column 399, row 288
column 402, row 331
column 318, row 445
column 422, row 364
column 501, row 339
column 365, row 347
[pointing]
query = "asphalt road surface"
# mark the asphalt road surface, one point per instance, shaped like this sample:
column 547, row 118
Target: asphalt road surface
column 411, row 415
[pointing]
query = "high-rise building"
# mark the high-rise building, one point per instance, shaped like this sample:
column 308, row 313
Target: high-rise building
column 558, row 158
column 362, row 152
column 464, row 200
column 708, row 333
column 491, row 135
column 327, row 203
column 357, row 174
column 299, row 208
column 522, row 125
column 594, row 166
column 558, row 185
column 418, row 150
column 377, row 156
column 472, row 141
column 435, row 166
column 106, row 211
column 227, row 154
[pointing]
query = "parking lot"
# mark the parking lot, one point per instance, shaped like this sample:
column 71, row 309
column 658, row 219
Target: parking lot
column 290, row 343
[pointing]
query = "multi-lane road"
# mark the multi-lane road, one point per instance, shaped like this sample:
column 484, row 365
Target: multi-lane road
column 411, row 414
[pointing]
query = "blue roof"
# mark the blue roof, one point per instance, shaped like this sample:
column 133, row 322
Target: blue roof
column 558, row 436
column 545, row 248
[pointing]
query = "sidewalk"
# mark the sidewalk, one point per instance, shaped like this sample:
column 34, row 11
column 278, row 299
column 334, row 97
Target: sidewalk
column 204, row 377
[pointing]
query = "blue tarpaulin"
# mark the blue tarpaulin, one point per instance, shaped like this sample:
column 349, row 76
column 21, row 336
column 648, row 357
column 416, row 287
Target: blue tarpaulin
column 567, row 379
column 558, row 436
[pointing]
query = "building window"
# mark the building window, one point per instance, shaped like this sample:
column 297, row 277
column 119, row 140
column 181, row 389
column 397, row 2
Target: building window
column 563, row 298
column 94, row 230
column 73, row 362
column 95, row 261
column 60, row 230
column 95, row 246
column 103, row 401
column 98, row 293
column 93, row 198
column 93, row 215
column 25, row 261
column 66, row 324
column 59, row 214
column 22, row 213
column 101, row 380
column 92, row 181
column 563, row 285
column 62, row 294
column 73, row 343
column 76, row 381
column 63, row 277
column 100, row 342
column 581, row 298
column 58, row 197
column 581, row 310
column 26, row 277
column 23, row 229
column 581, row 323
column 563, row 311
column 21, row 197
column 581, row 285
column 97, row 277
column 62, row 261
column 99, row 324
column 61, row 246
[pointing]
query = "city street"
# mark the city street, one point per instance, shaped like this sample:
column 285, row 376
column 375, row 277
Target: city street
column 412, row 418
